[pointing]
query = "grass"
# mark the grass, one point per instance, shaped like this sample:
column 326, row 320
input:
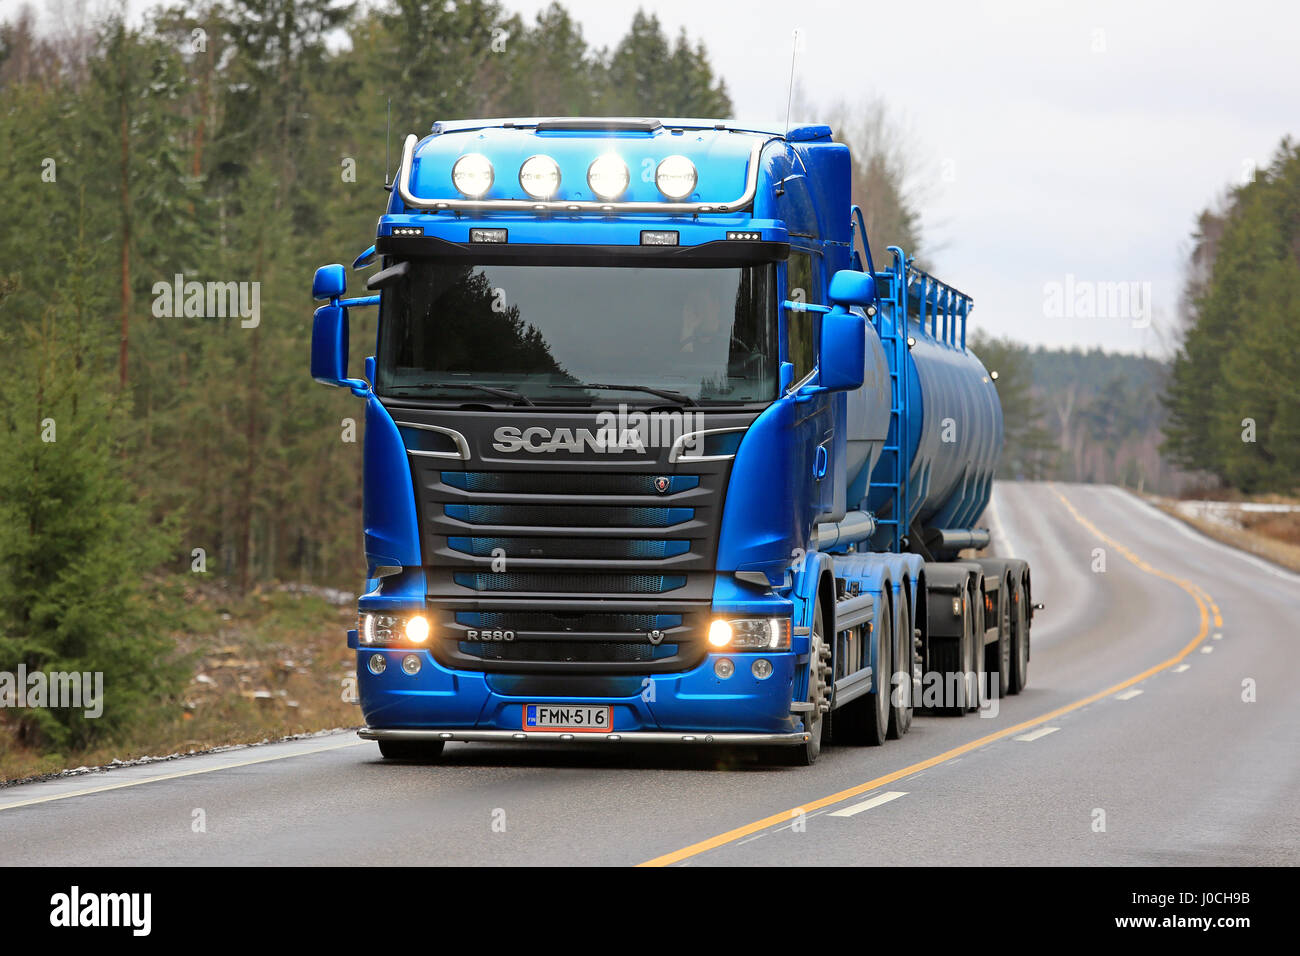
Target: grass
column 1274, row 536
column 269, row 665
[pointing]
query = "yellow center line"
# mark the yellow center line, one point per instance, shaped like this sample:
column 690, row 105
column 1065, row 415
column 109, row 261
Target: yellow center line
column 173, row 776
column 695, row 849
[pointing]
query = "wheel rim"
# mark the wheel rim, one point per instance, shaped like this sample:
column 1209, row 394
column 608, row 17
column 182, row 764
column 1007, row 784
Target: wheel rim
column 816, row 677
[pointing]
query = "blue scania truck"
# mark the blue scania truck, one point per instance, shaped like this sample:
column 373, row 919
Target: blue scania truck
column 656, row 450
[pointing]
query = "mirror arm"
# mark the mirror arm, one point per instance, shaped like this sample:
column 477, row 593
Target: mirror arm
column 804, row 306
column 357, row 301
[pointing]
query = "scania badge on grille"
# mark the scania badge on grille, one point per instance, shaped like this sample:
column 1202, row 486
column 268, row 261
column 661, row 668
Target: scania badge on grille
column 662, row 484
column 656, row 637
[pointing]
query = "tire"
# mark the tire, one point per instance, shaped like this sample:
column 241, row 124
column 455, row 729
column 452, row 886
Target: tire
column 1019, row 640
column 975, row 695
column 421, row 750
column 900, row 713
column 805, row 754
column 997, row 656
column 865, row 721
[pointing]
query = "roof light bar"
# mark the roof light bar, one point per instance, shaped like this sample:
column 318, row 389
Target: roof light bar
column 604, row 207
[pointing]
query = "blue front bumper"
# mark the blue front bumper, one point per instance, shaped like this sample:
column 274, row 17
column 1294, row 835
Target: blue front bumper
column 691, row 702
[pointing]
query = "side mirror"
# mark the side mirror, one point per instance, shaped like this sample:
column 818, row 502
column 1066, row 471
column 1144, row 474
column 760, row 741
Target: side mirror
column 330, row 282
column 329, row 348
column 843, row 358
column 850, row 287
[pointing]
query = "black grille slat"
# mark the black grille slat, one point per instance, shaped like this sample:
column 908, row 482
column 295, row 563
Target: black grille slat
column 571, row 548
column 555, row 581
column 585, row 652
column 577, row 621
column 576, row 516
column 566, row 483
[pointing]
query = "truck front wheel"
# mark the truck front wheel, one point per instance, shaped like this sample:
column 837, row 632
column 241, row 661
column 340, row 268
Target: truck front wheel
column 818, row 697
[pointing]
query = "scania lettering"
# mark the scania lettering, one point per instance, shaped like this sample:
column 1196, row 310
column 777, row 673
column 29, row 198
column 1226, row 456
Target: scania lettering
column 671, row 459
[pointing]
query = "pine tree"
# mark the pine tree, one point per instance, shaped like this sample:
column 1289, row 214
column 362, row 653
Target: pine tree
column 79, row 551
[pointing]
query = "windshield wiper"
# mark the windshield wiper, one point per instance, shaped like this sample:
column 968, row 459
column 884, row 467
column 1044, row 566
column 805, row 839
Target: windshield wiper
column 677, row 397
column 489, row 389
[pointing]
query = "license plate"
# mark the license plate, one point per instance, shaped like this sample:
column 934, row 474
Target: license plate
column 573, row 718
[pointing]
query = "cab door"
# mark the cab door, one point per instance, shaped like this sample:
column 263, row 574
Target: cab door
column 813, row 420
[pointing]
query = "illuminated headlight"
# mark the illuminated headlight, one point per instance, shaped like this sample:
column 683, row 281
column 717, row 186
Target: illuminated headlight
column 751, row 634
column 608, row 176
column 676, row 177
column 540, row 177
column 472, row 175
column 393, row 630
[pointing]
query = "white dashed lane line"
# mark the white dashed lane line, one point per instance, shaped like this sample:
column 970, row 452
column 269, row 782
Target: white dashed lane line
column 1035, row 734
column 875, row 801
column 1128, row 694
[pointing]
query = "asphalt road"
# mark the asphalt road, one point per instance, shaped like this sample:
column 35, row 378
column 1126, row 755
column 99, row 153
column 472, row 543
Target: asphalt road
column 1133, row 744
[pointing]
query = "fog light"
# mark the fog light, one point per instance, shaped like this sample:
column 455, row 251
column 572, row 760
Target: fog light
column 719, row 633
column 377, row 663
column 724, row 668
column 411, row 665
column 417, row 629
column 761, row 669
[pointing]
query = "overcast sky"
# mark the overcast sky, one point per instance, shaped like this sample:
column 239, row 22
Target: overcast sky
column 1051, row 138
column 1057, row 146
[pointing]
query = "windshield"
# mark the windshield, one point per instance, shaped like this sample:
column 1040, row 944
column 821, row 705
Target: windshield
column 708, row 334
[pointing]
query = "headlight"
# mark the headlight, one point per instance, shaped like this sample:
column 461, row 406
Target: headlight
column 751, row 634
column 540, row 177
column 472, row 174
column 676, row 177
column 393, row 630
column 608, row 176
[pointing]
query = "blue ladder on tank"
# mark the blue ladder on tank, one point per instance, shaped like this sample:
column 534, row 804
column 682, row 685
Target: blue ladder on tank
column 891, row 291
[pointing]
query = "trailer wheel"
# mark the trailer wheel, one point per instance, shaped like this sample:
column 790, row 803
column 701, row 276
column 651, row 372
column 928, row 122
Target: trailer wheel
column 974, row 677
column 1019, row 640
column 805, row 754
column 997, row 657
column 900, row 697
column 424, row 750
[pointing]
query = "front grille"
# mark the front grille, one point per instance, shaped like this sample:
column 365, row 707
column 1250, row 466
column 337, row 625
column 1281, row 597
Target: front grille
column 600, row 550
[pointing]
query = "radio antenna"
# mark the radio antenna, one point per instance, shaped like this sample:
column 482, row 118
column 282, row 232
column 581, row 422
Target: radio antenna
column 388, row 135
column 789, row 96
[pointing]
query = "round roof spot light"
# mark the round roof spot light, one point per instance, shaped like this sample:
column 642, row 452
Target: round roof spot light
column 676, row 177
column 539, row 176
column 608, row 176
column 472, row 175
